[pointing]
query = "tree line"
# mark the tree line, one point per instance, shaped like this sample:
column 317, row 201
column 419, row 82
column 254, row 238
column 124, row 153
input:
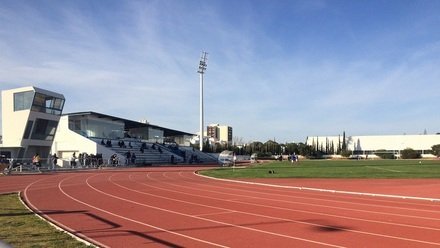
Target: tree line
column 315, row 150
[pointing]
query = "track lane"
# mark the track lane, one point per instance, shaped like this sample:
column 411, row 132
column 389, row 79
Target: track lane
column 381, row 235
column 227, row 214
column 236, row 227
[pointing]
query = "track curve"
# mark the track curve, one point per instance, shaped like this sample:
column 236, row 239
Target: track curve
column 174, row 207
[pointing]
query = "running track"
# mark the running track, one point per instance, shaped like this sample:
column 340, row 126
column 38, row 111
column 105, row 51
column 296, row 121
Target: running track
column 174, row 207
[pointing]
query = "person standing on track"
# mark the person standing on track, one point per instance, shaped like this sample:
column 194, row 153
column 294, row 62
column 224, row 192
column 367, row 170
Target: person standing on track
column 73, row 160
column 36, row 162
column 54, row 161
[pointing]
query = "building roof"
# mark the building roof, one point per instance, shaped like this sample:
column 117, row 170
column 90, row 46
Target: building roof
column 132, row 124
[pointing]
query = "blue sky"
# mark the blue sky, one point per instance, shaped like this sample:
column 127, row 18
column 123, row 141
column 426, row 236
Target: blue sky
column 276, row 69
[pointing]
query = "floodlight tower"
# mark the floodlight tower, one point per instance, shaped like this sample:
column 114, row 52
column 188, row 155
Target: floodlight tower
column 201, row 71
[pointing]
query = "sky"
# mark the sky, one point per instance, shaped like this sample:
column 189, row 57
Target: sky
column 282, row 70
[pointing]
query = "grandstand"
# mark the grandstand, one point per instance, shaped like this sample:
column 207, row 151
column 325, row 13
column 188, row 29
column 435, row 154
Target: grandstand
column 32, row 122
column 96, row 133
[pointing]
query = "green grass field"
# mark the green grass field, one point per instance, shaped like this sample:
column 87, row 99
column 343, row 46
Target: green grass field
column 21, row 228
column 334, row 169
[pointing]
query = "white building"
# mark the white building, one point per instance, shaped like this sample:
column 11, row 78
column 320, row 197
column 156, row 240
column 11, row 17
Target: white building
column 30, row 117
column 32, row 122
column 362, row 145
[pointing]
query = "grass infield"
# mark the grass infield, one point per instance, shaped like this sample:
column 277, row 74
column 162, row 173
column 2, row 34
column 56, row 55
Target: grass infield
column 333, row 169
column 21, row 228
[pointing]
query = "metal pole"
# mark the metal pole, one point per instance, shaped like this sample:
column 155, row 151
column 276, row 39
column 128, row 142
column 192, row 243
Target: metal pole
column 201, row 71
column 201, row 112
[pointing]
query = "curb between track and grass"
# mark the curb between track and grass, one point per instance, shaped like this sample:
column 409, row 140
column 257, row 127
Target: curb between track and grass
column 56, row 224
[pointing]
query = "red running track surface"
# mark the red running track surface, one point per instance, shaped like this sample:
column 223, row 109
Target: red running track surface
column 174, row 207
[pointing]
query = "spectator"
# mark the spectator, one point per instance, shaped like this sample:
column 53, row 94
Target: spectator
column 114, row 159
column 73, row 160
column 36, row 162
column 128, row 157
column 54, row 161
column 133, row 158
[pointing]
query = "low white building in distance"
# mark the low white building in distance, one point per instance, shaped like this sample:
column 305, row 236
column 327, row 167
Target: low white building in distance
column 369, row 144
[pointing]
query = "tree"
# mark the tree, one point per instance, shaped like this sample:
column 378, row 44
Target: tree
column 409, row 153
column 436, row 150
column 292, row 148
column 344, row 142
column 346, row 153
column 271, row 147
column 207, row 147
column 382, row 153
column 304, row 150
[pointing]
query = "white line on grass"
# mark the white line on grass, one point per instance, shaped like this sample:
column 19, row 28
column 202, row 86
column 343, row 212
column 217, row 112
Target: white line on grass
column 380, row 168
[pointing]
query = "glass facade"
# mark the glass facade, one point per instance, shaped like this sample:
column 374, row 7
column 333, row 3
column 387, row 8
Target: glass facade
column 38, row 102
column 155, row 135
column 44, row 129
column 23, row 100
column 47, row 104
column 98, row 128
column 28, row 129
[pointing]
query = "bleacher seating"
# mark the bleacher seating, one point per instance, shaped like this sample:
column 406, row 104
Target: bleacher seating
column 155, row 153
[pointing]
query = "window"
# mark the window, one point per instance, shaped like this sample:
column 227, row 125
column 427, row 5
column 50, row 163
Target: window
column 47, row 104
column 28, row 129
column 23, row 100
column 44, row 129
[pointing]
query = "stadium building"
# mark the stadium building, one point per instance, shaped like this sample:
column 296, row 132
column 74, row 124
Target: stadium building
column 30, row 117
column 32, row 122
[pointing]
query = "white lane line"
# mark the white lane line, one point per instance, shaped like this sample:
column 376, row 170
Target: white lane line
column 283, row 219
column 337, row 201
column 304, row 211
column 325, row 190
column 129, row 219
column 71, row 232
column 215, row 213
column 213, row 221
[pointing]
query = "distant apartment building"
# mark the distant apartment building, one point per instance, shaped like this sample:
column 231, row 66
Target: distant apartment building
column 220, row 133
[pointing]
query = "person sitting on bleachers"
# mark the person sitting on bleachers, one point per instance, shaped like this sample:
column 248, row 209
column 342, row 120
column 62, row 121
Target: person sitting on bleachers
column 114, row 159
column 133, row 158
column 128, row 157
